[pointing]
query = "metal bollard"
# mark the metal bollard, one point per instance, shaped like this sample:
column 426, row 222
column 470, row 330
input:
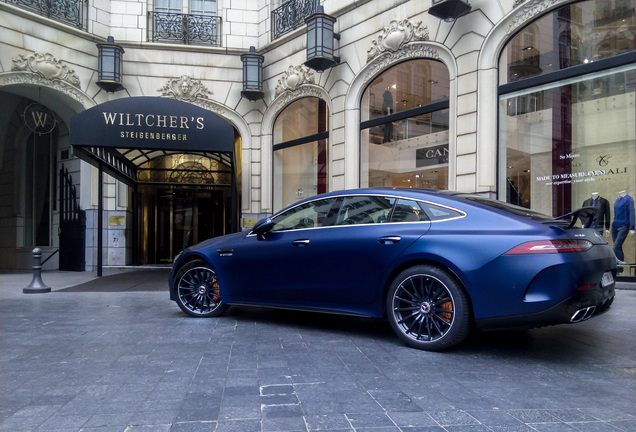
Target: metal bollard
column 37, row 286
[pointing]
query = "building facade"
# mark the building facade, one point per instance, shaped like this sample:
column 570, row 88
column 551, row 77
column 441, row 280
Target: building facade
column 530, row 102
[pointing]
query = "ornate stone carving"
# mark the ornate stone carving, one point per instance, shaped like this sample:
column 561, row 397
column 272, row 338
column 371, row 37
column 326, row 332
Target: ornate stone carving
column 46, row 66
column 395, row 36
column 528, row 10
column 35, row 79
column 294, row 78
column 408, row 52
column 288, row 97
column 185, row 89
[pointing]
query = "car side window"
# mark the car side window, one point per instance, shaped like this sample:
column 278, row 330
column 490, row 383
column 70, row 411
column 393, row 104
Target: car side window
column 438, row 213
column 408, row 211
column 363, row 209
column 307, row 215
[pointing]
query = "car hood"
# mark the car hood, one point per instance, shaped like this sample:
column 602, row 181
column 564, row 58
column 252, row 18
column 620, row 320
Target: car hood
column 221, row 241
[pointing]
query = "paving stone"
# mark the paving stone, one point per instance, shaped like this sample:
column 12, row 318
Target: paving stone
column 131, row 361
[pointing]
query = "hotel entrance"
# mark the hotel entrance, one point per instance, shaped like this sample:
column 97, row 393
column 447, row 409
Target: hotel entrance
column 173, row 218
column 179, row 162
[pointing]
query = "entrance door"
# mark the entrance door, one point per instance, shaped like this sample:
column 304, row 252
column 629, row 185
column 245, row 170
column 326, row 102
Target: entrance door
column 186, row 216
column 72, row 229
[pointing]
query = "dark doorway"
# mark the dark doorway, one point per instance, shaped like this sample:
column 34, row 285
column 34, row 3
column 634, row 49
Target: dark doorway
column 174, row 218
column 72, row 228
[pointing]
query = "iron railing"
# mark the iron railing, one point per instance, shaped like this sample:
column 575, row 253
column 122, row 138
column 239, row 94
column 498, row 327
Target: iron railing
column 71, row 12
column 291, row 15
column 187, row 29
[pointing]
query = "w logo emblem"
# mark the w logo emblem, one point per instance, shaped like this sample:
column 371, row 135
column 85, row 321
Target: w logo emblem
column 39, row 118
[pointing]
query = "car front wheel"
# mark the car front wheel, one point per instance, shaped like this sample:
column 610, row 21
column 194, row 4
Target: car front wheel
column 197, row 290
column 428, row 308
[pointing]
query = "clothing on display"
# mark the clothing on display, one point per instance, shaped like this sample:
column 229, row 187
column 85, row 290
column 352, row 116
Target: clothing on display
column 623, row 222
column 603, row 218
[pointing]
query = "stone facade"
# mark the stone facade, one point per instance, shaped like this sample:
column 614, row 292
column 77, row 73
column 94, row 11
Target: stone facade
column 56, row 64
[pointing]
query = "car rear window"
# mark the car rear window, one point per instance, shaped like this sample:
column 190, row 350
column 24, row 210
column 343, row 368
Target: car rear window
column 508, row 208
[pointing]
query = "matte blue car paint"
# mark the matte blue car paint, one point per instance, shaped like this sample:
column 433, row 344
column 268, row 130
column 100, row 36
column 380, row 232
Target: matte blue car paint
column 346, row 268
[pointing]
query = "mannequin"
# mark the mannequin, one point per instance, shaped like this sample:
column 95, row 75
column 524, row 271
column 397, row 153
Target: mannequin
column 387, row 109
column 623, row 222
column 603, row 218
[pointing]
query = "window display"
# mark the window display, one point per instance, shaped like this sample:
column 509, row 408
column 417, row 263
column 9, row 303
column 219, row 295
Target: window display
column 404, row 130
column 301, row 134
column 567, row 113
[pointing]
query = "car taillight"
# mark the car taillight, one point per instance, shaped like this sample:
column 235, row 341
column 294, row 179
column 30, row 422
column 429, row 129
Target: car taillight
column 550, row 246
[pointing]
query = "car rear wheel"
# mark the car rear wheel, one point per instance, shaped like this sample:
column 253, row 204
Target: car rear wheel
column 197, row 290
column 428, row 308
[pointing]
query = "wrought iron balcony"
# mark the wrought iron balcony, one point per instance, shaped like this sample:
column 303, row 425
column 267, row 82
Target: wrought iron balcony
column 291, row 15
column 71, row 12
column 187, row 29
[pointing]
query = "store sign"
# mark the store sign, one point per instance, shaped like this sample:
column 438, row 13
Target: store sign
column 152, row 123
column 437, row 155
column 603, row 172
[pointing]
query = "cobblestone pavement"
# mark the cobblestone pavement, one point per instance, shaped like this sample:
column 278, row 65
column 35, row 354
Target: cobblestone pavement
column 129, row 360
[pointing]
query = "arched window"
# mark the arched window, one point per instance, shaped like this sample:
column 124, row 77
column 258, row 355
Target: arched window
column 567, row 126
column 404, row 128
column 566, row 107
column 301, row 133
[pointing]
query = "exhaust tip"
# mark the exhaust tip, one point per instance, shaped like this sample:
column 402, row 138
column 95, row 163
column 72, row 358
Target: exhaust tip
column 583, row 314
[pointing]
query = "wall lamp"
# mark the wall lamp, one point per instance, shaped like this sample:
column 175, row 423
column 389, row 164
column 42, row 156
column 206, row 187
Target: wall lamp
column 449, row 10
column 252, row 75
column 109, row 62
column 320, row 37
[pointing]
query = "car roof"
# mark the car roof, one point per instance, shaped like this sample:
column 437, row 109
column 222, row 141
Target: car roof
column 415, row 193
column 460, row 200
column 419, row 193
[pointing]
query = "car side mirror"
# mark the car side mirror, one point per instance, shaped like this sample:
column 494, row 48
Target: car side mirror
column 262, row 227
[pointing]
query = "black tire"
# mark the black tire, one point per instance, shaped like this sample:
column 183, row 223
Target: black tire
column 197, row 290
column 428, row 308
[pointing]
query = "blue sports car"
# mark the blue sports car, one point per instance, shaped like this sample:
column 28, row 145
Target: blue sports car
column 436, row 264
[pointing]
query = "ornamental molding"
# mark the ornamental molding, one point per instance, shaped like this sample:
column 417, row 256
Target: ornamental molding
column 185, row 89
column 45, row 66
column 395, row 36
column 294, row 78
column 411, row 51
column 527, row 11
column 286, row 98
column 18, row 78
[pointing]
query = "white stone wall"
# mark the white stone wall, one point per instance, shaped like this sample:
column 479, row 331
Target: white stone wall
column 469, row 47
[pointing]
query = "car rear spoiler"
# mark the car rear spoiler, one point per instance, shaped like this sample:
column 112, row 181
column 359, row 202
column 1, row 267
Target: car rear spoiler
column 587, row 215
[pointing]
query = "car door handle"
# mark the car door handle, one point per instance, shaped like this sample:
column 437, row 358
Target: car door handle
column 300, row 243
column 389, row 239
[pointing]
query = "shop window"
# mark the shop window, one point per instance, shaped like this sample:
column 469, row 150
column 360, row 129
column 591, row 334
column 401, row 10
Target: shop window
column 301, row 134
column 404, row 129
column 569, row 133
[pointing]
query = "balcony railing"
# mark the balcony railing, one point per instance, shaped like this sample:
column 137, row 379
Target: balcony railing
column 291, row 15
column 71, row 12
column 187, row 29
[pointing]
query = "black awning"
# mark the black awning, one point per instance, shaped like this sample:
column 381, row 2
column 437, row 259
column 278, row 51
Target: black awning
column 153, row 126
